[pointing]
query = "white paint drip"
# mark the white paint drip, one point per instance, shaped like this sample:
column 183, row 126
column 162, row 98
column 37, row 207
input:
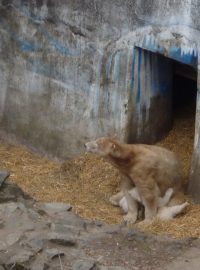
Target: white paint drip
column 146, row 37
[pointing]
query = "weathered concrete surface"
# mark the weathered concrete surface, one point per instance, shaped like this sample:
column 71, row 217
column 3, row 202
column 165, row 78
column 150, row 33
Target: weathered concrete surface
column 68, row 74
column 194, row 181
column 37, row 236
column 71, row 71
column 188, row 260
column 51, row 71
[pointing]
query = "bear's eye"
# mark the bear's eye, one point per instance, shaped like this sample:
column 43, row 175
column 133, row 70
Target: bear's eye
column 113, row 146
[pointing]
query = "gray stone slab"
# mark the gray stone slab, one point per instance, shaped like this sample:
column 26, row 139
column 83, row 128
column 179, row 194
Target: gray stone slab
column 84, row 265
column 63, row 228
column 40, row 264
column 57, row 207
column 10, row 192
column 3, row 176
column 13, row 238
column 117, row 268
column 62, row 239
column 54, row 252
column 3, row 245
column 21, row 257
column 35, row 244
column 53, row 208
column 189, row 260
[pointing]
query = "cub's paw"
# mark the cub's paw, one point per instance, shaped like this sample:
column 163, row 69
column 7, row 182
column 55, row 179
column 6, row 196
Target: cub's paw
column 146, row 222
column 130, row 218
column 113, row 201
column 169, row 192
column 123, row 204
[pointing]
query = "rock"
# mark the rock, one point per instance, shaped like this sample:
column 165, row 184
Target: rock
column 136, row 235
column 84, row 265
column 21, row 260
column 40, row 264
column 33, row 215
column 115, row 268
column 21, row 257
column 61, row 212
column 28, row 226
column 2, row 268
column 74, row 220
column 3, row 176
column 9, row 240
column 53, row 208
column 29, row 241
column 111, row 229
column 35, row 244
column 2, row 224
column 11, row 192
column 8, row 208
column 18, row 266
column 53, row 252
column 61, row 239
column 3, row 246
column 63, row 228
column 98, row 223
column 13, row 238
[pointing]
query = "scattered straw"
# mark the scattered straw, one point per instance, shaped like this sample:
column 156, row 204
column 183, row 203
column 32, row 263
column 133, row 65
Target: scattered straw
column 181, row 138
column 88, row 181
column 187, row 225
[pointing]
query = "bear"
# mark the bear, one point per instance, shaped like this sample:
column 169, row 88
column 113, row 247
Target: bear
column 151, row 169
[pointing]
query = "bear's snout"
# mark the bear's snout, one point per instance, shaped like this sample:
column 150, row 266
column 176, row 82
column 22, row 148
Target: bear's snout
column 91, row 146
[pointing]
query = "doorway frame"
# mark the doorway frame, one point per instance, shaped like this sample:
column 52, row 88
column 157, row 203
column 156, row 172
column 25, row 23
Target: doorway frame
column 190, row 57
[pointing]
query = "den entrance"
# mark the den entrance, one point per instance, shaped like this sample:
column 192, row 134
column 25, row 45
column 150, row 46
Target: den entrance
column 181, row 137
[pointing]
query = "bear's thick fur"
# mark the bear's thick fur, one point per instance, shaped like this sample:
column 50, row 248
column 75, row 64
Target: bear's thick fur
column 152, row 169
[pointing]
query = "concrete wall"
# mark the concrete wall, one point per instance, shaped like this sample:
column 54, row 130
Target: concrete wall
column 69, row 70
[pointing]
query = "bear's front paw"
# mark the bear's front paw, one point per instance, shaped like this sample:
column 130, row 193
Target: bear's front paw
column 130, row 218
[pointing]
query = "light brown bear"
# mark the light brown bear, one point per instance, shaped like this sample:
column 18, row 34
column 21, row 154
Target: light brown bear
column 151, row 169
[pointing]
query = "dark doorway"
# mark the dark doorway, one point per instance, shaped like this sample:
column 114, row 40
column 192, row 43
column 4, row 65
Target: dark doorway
column 184, row 89
column 181, row 138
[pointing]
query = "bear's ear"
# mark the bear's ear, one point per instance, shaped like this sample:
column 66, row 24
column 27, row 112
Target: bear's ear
column 113, row 146
column 115, row 136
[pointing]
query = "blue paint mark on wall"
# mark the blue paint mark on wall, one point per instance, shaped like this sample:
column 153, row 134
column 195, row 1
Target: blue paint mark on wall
column 133, row 69
column 28, row 13
column 24, row 46
column 154, row 76
column 108, row 65
column 173, row 52
column 40, row 68
column 189, row 58
column 117, row 66
column 139, row 70
column 164, row 78
column 27, row 46
column 57, row 45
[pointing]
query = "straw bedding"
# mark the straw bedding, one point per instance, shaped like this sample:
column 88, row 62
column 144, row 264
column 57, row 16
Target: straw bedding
column 88, row 181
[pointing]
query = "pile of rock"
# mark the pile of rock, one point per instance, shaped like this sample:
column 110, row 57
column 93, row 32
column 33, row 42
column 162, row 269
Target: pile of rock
column 39, row 236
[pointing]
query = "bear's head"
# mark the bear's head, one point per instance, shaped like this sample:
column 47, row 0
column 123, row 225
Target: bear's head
column 104, row 146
